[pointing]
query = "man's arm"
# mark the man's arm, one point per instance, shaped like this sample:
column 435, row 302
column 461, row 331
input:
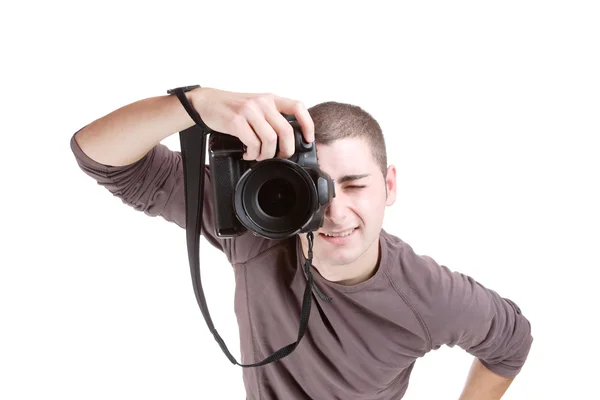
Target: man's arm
column 483, row 384
column 127, row 134
column 458, row 310
column 123, row 153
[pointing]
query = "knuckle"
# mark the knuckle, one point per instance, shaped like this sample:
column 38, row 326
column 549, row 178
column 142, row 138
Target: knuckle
column 267, row 97
column 253, row 153
column 286, row 152
column 288, row 130
column 248, row 107
column 253, row 142
column 238, row 121
column 253, row 145
column 271, row 137
column 265, row 101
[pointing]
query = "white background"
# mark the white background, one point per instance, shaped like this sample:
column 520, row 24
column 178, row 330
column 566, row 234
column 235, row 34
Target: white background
column 490, row 113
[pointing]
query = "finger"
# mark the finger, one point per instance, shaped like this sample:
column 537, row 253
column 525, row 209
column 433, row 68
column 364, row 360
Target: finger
column 266, row 134
column 245, row 133
column 297, row 109
column 285, row 132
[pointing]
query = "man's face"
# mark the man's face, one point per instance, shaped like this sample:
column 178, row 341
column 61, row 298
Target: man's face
column 347, row 243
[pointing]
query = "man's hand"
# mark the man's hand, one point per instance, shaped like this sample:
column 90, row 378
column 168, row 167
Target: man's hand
column 255, row 119
column 483, row 384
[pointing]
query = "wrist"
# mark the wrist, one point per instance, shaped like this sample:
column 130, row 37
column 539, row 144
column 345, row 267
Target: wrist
column 196, row 97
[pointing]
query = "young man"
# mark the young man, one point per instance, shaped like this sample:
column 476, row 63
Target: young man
column 389, row 305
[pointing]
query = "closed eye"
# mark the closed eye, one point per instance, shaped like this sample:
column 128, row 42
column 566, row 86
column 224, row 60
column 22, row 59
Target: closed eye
column 355, row 187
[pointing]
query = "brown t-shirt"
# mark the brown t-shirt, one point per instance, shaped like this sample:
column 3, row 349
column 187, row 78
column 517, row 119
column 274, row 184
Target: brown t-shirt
column 361, row 345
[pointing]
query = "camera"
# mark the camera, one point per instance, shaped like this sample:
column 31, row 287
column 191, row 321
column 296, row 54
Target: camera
column 274, row 198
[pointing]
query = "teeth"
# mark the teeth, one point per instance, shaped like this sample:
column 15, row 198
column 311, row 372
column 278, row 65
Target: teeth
column 340, row 234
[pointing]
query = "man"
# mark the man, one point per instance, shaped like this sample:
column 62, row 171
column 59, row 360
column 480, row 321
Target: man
column 389, row 305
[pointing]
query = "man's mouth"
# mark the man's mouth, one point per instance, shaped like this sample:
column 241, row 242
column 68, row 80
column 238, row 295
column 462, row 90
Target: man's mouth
column 336, row 234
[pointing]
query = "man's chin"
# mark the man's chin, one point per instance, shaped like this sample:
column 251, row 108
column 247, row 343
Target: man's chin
column 332, row 255
column 329, row 264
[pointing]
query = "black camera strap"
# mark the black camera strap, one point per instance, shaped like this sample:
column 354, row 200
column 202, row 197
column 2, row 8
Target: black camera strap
column 193, row 150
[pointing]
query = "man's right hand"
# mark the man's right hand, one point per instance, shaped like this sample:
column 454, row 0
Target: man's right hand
column 255, row 119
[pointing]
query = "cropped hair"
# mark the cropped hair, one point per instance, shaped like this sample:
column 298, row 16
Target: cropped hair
column 334, row 121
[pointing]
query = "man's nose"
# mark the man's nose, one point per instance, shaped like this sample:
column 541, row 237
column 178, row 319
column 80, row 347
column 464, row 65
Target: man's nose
column 336, row 210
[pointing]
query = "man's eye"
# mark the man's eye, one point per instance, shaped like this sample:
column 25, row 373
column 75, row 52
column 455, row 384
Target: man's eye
column 355, row 187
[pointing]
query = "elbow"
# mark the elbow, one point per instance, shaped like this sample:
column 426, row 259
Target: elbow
column 512, row 361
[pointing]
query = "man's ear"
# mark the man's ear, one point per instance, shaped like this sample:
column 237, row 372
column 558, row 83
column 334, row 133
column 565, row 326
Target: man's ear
column 390, row 185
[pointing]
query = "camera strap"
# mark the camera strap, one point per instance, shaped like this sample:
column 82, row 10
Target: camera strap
column 193, row 150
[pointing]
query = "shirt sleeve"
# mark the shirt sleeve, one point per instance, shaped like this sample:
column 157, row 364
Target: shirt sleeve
column 155, row 185
column 457, row 310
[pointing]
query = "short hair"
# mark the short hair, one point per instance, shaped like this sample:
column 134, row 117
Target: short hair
column 334, row 121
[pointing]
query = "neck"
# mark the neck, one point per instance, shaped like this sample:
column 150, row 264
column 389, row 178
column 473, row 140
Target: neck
column 360, row 270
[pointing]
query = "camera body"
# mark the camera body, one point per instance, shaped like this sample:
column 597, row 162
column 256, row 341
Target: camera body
column 274, row 198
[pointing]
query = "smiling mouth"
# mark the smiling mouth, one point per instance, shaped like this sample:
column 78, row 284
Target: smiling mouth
column 339, row 234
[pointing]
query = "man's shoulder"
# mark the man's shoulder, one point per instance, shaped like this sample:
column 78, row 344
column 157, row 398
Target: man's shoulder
column 416, row 275
column 401, row 253
column 393, row 242
column 394, row 249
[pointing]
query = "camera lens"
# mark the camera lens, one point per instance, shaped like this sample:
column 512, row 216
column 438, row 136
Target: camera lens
column 276, row 197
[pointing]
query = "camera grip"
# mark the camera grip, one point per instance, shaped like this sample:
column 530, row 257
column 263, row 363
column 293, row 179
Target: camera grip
column 225, row 172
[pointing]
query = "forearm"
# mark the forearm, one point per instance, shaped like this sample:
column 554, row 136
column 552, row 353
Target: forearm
column 128, row 133
column 483, row 384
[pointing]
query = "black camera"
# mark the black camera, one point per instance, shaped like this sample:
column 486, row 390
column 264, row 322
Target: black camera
column 274, row 198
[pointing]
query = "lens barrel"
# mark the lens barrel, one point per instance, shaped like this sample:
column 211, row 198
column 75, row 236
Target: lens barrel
column 275, row 198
